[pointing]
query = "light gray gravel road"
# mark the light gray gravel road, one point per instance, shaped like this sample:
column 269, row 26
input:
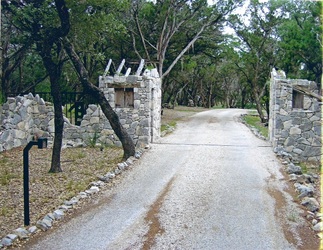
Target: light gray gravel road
column 205, row 186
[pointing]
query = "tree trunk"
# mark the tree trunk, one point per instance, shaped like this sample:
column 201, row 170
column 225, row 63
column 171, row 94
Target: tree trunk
column 59, row 127
column 210, row 97
column 54, row 71
column 91, row 89
column 259, row 107
column 243, row 98
column 95, row 92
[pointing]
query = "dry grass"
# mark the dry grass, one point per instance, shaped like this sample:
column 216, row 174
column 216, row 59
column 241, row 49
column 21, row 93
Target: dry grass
column 47, row 191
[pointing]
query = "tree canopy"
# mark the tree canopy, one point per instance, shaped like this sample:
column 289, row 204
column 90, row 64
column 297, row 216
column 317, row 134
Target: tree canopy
column 187, row 41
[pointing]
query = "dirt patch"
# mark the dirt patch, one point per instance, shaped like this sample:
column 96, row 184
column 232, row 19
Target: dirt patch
column 298, row 234
column 152, row 218
column 308, row 236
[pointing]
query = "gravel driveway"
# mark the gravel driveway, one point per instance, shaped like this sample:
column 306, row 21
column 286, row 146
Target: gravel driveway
column 205, row 186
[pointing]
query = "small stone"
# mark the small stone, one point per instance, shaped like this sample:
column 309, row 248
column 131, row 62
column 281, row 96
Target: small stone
column 32, row 229
column 47, row 222
column 30, row 96
column 121, row 166
column 82, row 195
column 292, row 177
column 94, row 189
column 318, row 227
column 314, row 222
column 309, row 178
column 50, row 217
column 285, row 154
column 304, row 190
column 129, row 161
column 137, row 155
column 311, row 204
column 103, row 178
column 126, row 165
column 292, row 169
column 41, row 225
column 117, row 171
column 71, row 202
column 22, row 233
column 97, row 183
column 12, row 237
column 58, row 214
column 65, row 207
column 110, row 175
column 6, row 242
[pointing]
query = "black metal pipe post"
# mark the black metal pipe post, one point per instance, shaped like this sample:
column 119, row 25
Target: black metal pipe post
column 26, row 181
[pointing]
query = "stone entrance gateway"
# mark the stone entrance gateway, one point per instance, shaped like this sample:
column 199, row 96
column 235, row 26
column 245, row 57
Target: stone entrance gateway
column 295, row 117
column 135, row 98
column 137, row 101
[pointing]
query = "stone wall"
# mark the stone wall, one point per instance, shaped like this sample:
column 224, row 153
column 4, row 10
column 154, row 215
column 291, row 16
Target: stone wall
column 22, row 118
column 142, row 121
column 27, row 116
column 295, row 118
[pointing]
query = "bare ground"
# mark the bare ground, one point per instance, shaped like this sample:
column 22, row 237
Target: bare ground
column 47, row 191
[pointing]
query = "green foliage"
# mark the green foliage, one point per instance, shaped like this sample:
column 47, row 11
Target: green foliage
column 303, row 166
column 6, row 176
column 169, row 125
column 5, row 211
column 97, row 31
column 301, row 30
column 254, row 121
column 92, row 141
column 219, row 69
column 74, row 187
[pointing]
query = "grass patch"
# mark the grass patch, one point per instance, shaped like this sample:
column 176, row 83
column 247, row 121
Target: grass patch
column 4, row 211
column 168, row 125
column 254, row 121
column 303, row 166
column 310, row 167
column 189, row 109
column 75, row 187
column 80, row 155
column 292, row 217
column 6, row 177
column 92, row 141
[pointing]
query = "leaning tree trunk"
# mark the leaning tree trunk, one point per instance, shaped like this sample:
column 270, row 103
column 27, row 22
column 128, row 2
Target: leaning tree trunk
column 95, row 92
column 127, row 142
